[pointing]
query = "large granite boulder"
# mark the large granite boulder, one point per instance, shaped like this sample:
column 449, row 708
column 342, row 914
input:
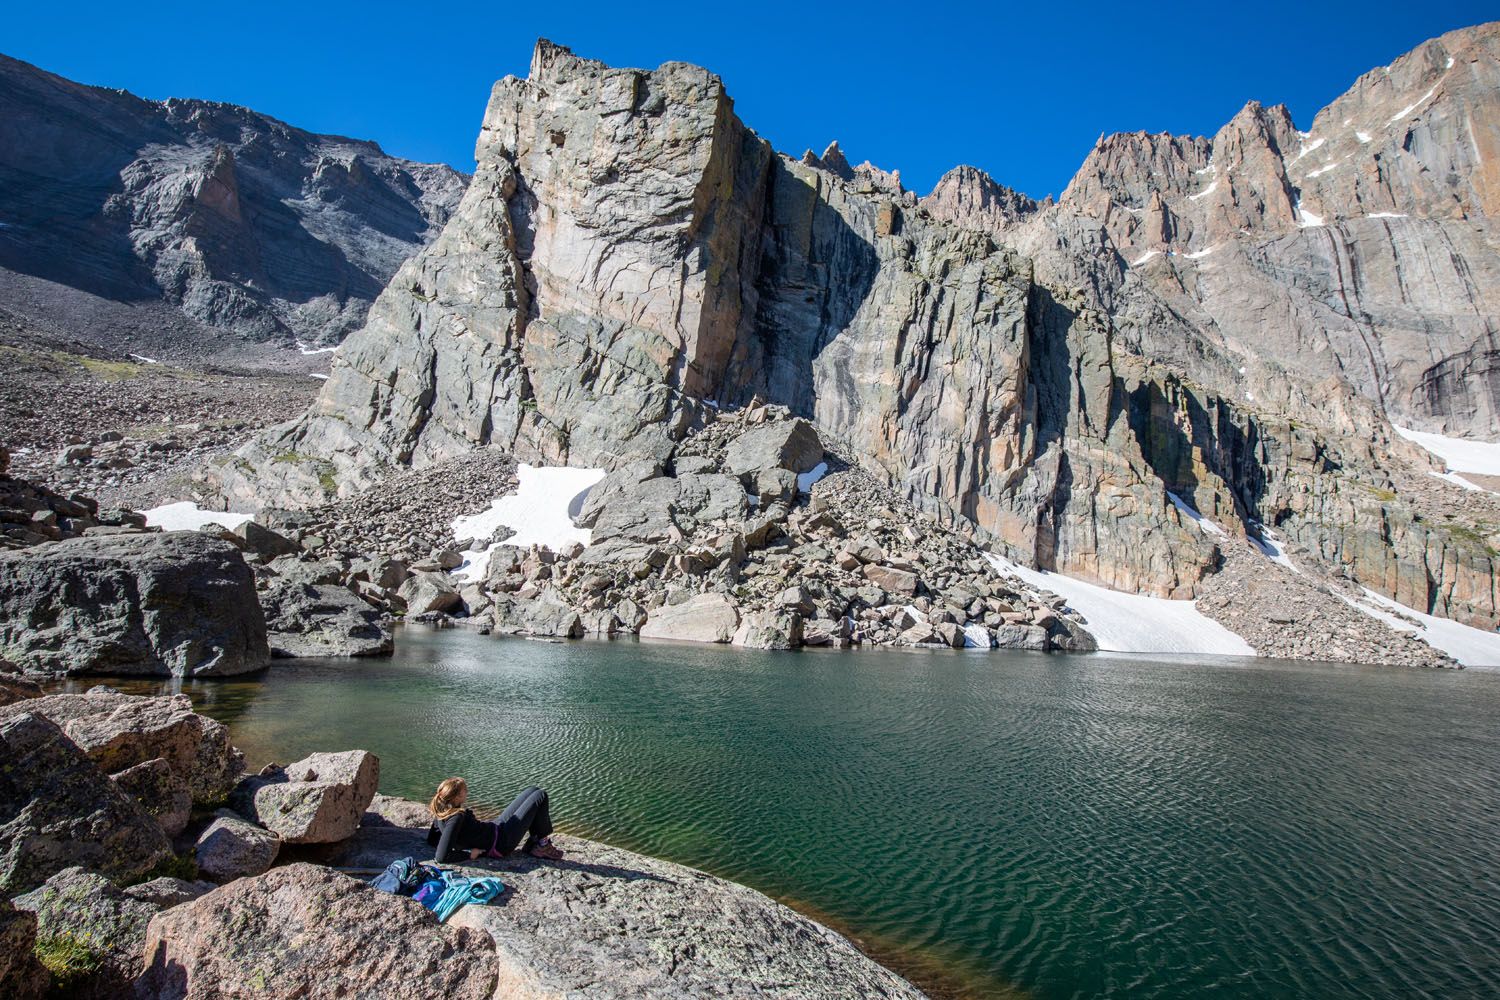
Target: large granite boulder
column 302, row 932
column 120, row 731
column 609, row 924
column 318, row 800
column 770, row 630
column 546, row 615
column 429, row 592
column 21, row 975
column 90, row 913
column 231, row 848
column 161, row 790
column 789, row 445
column 304, row 619
column 176, row 604
column 703, row 618
column 218, row 766
column 657, row 510
column 58, row 809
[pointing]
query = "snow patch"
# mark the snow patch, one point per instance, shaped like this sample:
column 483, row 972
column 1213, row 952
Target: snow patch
column 805, row 480
column 1145, row 257
column 1457, row 480
column 188, row 516
column 1210, row 169
column 1187, row 510
column 1324, row 169
column 1134, row 623
column 1205, row 192
column 1363, row 137
column 1200, row 254
column 1270, row 546
column 315, row 350
column 1306, row 219
column 1473, row 647
column 315, row 375
column 1411, row 107
column 145, row 360
column 1308, row 148
column 1386, row 215
column 1460, row 454
column 1449, row 64
column 976, row 636
column 540, row 512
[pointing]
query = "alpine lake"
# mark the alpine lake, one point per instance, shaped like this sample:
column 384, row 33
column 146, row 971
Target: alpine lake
column 990, row 824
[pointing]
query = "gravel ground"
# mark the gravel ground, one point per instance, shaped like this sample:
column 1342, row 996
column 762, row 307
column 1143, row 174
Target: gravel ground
column 136, row 430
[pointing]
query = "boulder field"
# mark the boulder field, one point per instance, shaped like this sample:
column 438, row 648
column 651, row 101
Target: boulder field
column 262, row 889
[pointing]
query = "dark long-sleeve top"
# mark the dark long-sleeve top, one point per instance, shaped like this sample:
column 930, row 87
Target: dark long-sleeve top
column 459, row 834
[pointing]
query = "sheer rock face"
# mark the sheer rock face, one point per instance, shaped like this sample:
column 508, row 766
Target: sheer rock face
column 240, row 221
column 1362, row 249
column 1218, row 317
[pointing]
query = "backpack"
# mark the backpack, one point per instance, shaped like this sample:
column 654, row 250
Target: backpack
column 403, row 877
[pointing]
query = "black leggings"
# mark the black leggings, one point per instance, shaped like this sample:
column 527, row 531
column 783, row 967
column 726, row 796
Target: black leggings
column 527, row 813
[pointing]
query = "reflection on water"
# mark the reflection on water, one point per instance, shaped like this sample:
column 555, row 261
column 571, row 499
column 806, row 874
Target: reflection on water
column 1067, row 826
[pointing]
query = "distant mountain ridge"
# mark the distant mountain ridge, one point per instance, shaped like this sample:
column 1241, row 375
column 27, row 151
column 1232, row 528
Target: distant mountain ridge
column 238, row 221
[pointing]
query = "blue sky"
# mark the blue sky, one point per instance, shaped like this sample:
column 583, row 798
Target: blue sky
column 1021, row 92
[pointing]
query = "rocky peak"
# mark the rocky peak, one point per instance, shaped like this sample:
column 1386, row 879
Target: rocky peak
column 226, row 217
column 971, row 199
column 834, row 162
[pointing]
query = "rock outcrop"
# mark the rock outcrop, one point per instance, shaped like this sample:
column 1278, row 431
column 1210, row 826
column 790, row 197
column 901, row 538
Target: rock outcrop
column 318, row 800
column 229, row 218
column 58, row 809
column 89, row 912
column 630, row 260
column 171, row 605
column 21, row 975
column 305, row 619
column 621, row 925
column 307, row 932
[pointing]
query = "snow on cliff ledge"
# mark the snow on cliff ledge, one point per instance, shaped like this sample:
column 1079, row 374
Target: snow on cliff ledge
column 1134, row 623
column 540, row 512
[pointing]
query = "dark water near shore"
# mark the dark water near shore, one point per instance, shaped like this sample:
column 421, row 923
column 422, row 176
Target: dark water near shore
column 1030, row 825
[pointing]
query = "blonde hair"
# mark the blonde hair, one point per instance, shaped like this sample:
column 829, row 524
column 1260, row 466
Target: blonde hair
column 445, row 803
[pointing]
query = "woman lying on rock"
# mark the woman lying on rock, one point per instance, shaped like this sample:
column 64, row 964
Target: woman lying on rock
column 456, row 832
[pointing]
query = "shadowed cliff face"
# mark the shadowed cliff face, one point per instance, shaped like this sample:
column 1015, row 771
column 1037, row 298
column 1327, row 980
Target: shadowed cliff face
column 238, row 220
column 630, row 256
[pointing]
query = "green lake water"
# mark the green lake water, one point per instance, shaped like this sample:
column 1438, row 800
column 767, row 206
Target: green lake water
column 994, row 824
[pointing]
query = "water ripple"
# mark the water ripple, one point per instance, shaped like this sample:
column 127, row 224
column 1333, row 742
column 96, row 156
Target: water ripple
column 1072, row 827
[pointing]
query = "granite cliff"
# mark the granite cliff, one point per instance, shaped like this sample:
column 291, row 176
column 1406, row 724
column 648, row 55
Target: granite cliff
column 1227, row 326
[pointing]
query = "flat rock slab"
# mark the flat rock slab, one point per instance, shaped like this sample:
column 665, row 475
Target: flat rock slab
column 309, row 933
column 607, row 923
column 177, row 604
column 704, row 618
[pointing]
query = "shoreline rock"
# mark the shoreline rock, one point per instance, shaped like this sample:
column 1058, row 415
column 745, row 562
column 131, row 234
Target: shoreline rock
column 603, row 922
column 175, row 604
